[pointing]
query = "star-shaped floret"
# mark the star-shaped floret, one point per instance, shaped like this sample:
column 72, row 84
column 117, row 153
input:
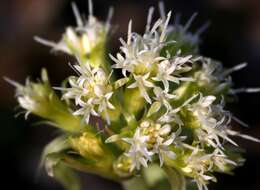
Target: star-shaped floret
column 138, row 150
column 142, row 83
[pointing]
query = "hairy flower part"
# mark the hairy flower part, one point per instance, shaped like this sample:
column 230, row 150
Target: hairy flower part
column 138, row 151
column 171, row 70
column 172, row 115
column 83, row 39
column 141, row 57
column 152, row 139
column 162, row 98
column 34, row 97
column 213, row 123
column 211, row 130
column 123, row 166
column 200, row 166
column 187, row 41
column 213, row 75
column 90, row 91
column 217, row 79
column 142, row 83
column 141, row 54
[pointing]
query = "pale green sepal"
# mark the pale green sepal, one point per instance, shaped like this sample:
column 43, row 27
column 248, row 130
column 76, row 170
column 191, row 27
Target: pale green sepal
column 121, row 82
column 154, row 108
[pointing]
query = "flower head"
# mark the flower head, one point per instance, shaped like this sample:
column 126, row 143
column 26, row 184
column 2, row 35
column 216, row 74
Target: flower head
column 85, row 39
column 138, row 151
column 90, row 91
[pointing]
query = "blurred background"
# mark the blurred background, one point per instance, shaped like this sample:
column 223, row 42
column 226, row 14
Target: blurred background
column 233, row 37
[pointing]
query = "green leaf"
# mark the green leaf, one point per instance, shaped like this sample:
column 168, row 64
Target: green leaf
column 62, row 173
column 136, row 183
column 153, row 175
column 55, row 146
column 67, row 177
column 176, row 179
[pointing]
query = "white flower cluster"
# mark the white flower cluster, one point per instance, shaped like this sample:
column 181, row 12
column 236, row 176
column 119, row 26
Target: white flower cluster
column 213, row 122
column 91, row 91
column 141, row 58
column 181, row 121
column 152, row 139
column 82, row 40
column 142, row 64
column 200, row 166
column 34, row 97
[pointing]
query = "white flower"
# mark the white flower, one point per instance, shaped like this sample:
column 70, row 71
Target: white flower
column 80, row 40
column 170, row 70
column 221, row 161
column 161, row 138
column 76, row 91
column 142, row 83
column 202, row 107
column 35, row 97
column 163, row 97
column 27, row 103
column 217, row 79
column 214, row 123
column 199, row 166
column 86, row 109
column 211, row 130
column 138, row 151
column 161, row 148
column 164, row 140
column 90, row 91
column 69, row 37
column 141, row 54
column 122, row 64
column 172, row 114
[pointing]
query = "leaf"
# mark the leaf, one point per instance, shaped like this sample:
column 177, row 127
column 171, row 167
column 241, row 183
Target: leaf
column 55, row 146
column 62, row 173
column 153, row 175
column 154, row 108
column 136, row 183
column 176, row 179
column 52, row 160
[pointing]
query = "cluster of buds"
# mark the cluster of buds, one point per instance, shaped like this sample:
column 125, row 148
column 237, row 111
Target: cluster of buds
column 165, row 109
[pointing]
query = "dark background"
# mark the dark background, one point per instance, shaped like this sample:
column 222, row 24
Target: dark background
column 233, row 37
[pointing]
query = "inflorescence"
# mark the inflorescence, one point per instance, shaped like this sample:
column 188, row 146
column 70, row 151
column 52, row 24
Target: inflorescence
column 156, row 101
